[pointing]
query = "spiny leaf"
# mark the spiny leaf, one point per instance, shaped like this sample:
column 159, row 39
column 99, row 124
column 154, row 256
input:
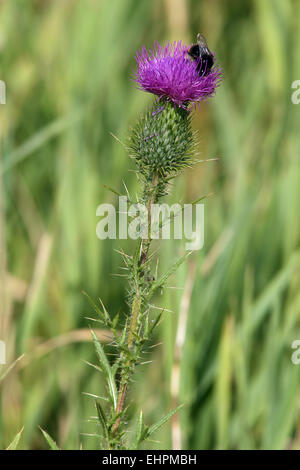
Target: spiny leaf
column 155, row 323
column 115, row 321
column 127, row 192
column 93, row 365
column 174, row 215
column 103, row 314
column 92, row 395
column 94, row 319
column 160, row 282
column 112, row 190
column 91, row 435
column 106, row 369
column 114, row 368
column 14, row 443
column 136, row 256
column 105, row 311
column 123, row 337
column 49, row 439
column 102, row 419
column 115, row 418
column 161, row 422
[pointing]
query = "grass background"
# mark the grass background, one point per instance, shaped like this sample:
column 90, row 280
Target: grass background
column 67, row 67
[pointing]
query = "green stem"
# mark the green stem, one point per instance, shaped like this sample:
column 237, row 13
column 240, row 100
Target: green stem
column 134, row 318
column 127, row 369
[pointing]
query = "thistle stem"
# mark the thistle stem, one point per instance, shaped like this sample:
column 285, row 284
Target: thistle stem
column 134, row 317
column 151, row 196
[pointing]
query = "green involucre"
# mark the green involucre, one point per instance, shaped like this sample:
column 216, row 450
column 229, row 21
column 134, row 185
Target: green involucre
column 163, row 141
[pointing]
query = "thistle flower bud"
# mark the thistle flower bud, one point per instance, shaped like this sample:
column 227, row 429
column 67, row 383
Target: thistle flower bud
column 163, row 141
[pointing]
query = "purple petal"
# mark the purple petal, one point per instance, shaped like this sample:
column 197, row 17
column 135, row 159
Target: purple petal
column 168, row 72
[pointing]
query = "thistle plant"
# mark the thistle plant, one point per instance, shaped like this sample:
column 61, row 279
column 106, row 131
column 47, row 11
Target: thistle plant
column 162, row 144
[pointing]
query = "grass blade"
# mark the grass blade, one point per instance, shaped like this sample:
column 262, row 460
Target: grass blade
column 14, row 443
column 51, row 442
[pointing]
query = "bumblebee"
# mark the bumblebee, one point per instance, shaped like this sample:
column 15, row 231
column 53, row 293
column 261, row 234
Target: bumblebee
column 202, row 55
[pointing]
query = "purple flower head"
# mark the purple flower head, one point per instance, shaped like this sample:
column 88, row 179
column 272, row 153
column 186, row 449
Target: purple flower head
column 169, row 73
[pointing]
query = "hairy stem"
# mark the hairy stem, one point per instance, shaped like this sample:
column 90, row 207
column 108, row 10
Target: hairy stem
column 151, row 196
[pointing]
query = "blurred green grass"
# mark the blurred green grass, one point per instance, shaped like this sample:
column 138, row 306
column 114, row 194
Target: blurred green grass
column 67, row 68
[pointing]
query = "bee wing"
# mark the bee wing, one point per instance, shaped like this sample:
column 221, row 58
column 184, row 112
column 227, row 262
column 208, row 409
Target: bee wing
column 201, row 40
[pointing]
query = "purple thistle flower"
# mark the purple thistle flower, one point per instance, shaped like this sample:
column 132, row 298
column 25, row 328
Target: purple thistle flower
column 169, row 73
